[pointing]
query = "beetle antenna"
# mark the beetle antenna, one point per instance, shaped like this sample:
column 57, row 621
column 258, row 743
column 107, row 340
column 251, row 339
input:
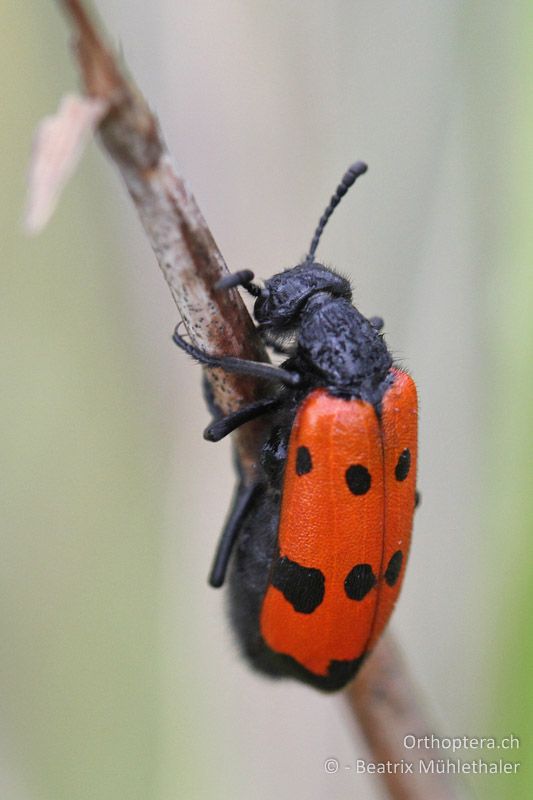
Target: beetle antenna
column 244, row 278
column 348, row 179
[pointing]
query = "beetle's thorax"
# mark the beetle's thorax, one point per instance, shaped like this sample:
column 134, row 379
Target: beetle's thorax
column 339, row 344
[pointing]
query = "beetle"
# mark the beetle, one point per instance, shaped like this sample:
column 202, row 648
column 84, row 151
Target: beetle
column 321, row 539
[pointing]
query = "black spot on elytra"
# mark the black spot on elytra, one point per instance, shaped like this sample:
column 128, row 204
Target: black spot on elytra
column 304, row 462
column 341, row 672
column 404, row 464
column 394, row 568
column 359, row 581
column 338, row 675
column 358, row 479
column 302, row 587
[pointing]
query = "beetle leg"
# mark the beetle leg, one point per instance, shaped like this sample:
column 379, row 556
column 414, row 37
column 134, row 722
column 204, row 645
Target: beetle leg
column 240, row 366
column 219, row 428
column 244, row 495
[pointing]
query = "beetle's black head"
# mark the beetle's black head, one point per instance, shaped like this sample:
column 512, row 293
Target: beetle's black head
column 285, row 294
column 281, row 299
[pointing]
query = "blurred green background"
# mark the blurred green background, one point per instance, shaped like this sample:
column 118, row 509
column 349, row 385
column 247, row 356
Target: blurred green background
column 118, row 675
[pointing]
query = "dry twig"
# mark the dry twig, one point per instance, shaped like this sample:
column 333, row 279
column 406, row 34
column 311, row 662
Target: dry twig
column 386, row 704
column 383, row 697
column 183, row 244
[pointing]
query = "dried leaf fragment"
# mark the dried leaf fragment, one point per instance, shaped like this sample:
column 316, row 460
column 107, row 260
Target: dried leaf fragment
column 58, row 146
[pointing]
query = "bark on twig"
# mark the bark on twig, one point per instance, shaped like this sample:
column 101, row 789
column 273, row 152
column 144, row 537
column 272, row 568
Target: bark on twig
column 185, row 249
column 383, row 698
column 385, row 701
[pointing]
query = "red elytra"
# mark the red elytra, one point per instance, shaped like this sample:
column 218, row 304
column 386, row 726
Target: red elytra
column 325, row 526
